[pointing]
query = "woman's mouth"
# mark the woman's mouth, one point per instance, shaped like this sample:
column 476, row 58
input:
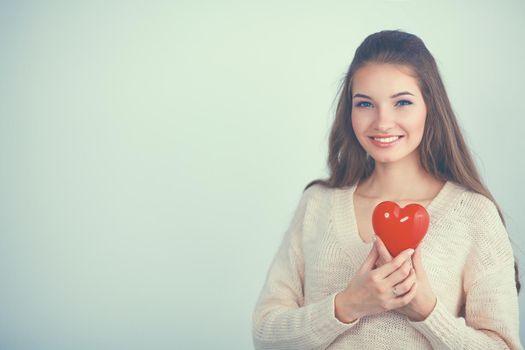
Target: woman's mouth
column 385, row 141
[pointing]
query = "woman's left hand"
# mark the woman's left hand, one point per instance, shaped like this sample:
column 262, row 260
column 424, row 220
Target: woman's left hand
column 425, row 300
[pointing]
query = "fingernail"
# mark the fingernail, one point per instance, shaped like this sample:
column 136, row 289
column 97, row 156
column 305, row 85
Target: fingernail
column 410, row 251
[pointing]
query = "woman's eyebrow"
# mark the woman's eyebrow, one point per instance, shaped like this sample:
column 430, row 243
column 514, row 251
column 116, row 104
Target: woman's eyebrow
column 393, row 96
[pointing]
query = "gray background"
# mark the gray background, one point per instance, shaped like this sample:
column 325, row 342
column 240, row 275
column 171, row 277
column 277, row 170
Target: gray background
column 152, row 153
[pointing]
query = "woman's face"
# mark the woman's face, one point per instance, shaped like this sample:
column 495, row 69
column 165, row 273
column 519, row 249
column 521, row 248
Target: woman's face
column 388, row 111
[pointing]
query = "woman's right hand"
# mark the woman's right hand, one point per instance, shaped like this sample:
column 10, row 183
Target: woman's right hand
column 370, row 290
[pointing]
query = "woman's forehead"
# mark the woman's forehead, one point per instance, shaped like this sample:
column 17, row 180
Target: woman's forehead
column 384, row 79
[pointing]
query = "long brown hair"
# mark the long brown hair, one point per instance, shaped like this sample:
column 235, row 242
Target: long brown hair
column 442, row 151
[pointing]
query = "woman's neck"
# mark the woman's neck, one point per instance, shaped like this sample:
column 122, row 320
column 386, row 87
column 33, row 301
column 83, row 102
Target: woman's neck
column 402, row 180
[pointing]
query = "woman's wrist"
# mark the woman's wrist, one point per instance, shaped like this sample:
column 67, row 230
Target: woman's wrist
column 425, row 311
column 342, row 312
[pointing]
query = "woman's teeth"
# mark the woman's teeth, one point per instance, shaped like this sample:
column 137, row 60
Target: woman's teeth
column 386, row 140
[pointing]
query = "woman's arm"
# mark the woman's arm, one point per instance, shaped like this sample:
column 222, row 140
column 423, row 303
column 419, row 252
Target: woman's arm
column 491, row 317
column 280, row 319
column 491, row 306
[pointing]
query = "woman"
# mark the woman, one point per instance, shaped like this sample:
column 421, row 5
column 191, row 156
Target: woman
column 333, row 285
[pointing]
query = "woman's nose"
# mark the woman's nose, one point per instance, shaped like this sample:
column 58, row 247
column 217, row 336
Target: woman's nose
column 385, row 120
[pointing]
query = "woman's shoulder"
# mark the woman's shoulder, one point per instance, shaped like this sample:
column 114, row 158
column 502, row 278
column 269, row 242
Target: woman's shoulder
column 480, row 222
column 480, row 217
column 318, row 191
column 318, row 197
column 473, row 204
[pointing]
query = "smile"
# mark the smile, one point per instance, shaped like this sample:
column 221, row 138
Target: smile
column 385, row 142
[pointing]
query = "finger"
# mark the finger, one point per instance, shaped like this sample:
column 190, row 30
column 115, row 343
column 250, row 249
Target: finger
column 383, row 251
column 370, row 260
column 400, row 274
column 380, row 262
column 395, row 263
column 416, row 258
column 404, row 286
column 407, row 298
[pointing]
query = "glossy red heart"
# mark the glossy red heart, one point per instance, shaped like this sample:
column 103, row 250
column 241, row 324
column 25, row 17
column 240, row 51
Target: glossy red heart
column 400, row 228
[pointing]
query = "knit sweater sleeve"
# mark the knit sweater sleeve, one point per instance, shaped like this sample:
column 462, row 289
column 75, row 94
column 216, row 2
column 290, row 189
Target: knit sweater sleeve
column 491, row 304
column 280, row 319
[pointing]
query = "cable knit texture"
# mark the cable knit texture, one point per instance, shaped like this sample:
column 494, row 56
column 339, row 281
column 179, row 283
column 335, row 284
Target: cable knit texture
column 466, row 254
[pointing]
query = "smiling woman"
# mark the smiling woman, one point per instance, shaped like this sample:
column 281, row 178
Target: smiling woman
column 331, row 285
column 388, row 126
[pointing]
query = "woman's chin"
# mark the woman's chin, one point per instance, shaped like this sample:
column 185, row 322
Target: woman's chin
column 382, row 158
column 394, row 158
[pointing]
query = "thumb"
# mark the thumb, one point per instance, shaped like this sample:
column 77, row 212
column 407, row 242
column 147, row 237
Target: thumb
column 371, row 259
column 416, row 258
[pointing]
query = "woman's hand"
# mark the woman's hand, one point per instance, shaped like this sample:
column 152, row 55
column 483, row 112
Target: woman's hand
column 370, row 290
column 425, row 300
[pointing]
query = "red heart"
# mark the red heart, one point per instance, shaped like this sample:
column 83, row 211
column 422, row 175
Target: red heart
column 400, row 228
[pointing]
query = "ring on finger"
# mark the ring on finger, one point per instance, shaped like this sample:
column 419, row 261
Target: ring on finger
column 394, row 292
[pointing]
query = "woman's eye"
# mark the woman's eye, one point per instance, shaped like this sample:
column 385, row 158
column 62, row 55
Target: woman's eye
column 366, row 104
column 402, row 103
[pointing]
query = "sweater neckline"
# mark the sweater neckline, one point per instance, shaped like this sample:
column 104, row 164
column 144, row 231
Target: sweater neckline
column 345, row 222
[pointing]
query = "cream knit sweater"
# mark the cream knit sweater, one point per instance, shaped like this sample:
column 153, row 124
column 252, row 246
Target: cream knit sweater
column 466, row 254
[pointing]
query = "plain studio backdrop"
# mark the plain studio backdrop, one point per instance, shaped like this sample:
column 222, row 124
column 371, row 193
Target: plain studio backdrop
column 152, row 153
